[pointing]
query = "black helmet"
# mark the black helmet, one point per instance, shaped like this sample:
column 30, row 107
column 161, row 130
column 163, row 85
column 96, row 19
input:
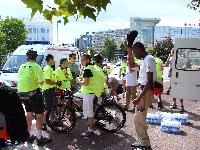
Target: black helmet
column 31, row 54
column 98, row 57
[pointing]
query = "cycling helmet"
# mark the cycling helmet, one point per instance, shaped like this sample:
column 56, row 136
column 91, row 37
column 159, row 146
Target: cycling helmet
column 98, row 57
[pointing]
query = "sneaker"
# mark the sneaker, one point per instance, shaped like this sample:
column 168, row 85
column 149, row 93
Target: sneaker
column 87, row 134
column 44, row 127
column 43, row 140
column 182, row 108
column 136, row 144
column 173, row 106
column 160, row 105
column 31, row 139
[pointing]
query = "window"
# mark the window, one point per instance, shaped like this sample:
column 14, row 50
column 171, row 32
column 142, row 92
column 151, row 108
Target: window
column 43, row 38
column 188, row 59
column 15, row 61
column 30, row 30
column 34, row 30
column 42, row 30
column 47, row 30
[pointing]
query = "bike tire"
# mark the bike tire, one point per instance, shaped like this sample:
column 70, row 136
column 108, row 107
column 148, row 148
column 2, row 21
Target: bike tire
column 59, row 119
column 107, row 117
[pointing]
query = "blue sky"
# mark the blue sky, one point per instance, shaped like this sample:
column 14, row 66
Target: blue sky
column 171, row 12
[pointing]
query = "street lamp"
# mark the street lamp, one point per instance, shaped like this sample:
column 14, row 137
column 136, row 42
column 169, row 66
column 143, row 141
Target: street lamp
column 59, row 21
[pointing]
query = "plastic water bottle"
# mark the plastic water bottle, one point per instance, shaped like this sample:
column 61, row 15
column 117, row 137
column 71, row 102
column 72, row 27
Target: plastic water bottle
column 170, row 126
column 153, row 119
column 182, row 118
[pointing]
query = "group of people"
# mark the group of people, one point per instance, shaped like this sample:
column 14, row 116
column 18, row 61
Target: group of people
column 39, row 86
column 32, row 80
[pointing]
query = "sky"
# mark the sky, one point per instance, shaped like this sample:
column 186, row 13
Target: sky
column 117, row 16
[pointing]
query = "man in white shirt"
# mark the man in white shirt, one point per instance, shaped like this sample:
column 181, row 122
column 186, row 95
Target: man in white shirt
column 147, row 76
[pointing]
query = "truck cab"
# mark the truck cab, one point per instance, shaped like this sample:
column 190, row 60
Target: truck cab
column 185, row 79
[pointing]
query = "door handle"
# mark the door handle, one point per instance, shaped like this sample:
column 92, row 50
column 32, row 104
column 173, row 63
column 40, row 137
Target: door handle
column 177, row 74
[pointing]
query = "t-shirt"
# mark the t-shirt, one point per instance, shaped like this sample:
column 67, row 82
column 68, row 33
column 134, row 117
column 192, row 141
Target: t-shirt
column 131, row 77
column 87, row 73
column 48, row 74
column 147, row 65
column 65, row 76
column 74, row 69
column 30, row 75
column 159, row 63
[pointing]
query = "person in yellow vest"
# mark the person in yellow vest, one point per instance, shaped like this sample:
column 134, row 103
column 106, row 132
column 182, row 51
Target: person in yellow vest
column 122, row 74
column 49, row 86
column 63, row 76
column 159, row 73
column 98, row 58
column 30, row 78
column 90, row 88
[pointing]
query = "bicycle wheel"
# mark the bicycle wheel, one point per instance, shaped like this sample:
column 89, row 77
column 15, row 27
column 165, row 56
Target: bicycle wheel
column 110, row 117
column 61, row 119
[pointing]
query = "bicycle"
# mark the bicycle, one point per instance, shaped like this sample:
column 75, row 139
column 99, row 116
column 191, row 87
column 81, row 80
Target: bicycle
column 107, row 114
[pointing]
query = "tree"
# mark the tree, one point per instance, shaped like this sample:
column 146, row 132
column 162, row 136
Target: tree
column 110, row 47
column 164, row 47
column 122, row 49
column 14, row 32
column 2, row 47
column 67, row 8
column 194, row 4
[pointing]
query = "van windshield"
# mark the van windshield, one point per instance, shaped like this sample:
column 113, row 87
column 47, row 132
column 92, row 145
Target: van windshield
column 15, row 61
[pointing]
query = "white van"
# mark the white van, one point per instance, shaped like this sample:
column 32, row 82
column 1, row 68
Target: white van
column 10, row 68
column 185, row 80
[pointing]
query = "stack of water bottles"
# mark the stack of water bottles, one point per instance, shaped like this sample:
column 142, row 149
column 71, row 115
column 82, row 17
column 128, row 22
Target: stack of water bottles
column 170, row 122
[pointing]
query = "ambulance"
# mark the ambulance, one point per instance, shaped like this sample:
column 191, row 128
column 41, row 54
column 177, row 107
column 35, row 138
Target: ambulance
column 185, row 79
column 18, row 57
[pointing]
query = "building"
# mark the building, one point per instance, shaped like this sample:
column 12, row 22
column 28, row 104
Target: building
column 84, row 42
column 99, row 37
column 162, row 32
column 39, row 32
column 145, row 28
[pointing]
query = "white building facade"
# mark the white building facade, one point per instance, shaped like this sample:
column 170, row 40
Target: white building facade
column 118, row 36
column 39, row 32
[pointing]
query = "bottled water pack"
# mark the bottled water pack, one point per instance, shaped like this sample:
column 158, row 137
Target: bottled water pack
column 153, row 119
column 182, row 118
column 159, row 116
column 170, row 126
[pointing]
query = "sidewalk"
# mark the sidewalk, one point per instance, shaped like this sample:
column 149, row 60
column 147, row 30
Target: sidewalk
column 188, row 139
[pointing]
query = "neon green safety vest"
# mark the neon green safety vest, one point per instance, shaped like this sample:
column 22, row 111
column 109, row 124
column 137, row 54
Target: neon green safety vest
column 65, row 76
column 48, row 74
column 159, row 62
column 123, row 67
column 30, row 75
column 96, row 83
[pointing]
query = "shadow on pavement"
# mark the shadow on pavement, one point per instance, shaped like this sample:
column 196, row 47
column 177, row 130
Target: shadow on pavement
column 100, row 140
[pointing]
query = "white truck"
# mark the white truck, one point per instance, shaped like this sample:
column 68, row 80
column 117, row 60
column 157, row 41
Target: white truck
column 185, row 79
column 10, row 68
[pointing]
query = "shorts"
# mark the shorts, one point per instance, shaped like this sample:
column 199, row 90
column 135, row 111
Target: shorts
column 34, row 103
column 88, row 105
column 50, row 98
